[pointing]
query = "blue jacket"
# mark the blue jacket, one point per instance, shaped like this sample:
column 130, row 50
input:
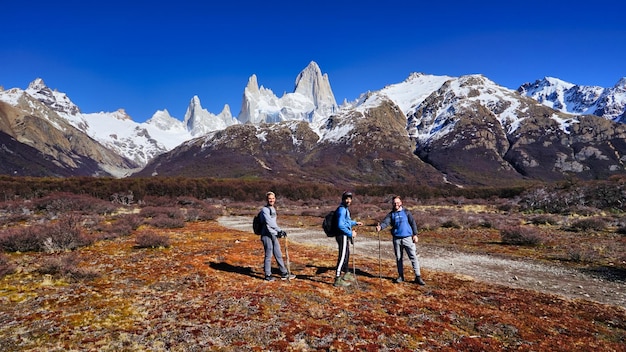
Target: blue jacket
column 402, row 223
column 344, row 223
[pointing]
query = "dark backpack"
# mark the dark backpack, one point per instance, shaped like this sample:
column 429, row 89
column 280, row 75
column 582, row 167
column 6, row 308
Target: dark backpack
column 257, row 223
column 330, row 224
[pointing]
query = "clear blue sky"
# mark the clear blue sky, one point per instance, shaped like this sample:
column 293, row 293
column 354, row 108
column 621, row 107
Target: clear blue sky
column 145, row 56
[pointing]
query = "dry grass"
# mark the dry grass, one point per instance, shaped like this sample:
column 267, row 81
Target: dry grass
column 205, row 292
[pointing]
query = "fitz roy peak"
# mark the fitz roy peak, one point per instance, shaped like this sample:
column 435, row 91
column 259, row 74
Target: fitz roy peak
column 312, row 100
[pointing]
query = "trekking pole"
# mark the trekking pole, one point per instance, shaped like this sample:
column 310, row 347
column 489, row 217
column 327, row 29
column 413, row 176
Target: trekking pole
column 380, row 275
column 287, row 255
column 354, row 263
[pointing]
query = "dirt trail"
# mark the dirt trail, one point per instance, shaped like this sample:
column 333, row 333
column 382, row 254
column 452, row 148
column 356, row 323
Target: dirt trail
column 551, row 279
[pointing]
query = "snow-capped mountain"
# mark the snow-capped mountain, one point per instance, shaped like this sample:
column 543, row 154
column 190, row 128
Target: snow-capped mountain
column 38, row 120
column 312, row 100
column 467, row 129
column 139, row 142
column 55, row 100
column 476, row 131
column 609, row 103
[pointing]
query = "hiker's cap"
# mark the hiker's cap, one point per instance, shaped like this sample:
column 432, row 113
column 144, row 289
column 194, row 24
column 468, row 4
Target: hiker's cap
column 346, row 194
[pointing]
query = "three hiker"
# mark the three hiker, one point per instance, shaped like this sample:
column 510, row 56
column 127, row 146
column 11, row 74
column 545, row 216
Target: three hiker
column 400, row 220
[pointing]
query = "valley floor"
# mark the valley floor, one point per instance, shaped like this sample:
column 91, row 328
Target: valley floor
column 526, row 274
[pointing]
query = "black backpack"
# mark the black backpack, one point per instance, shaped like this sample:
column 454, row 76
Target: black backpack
column 257, row 223
column 329, row 224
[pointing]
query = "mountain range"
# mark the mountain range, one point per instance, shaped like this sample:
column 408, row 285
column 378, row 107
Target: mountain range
column 427, row 129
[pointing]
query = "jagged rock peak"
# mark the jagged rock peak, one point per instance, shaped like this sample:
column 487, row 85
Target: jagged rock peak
column 199, row 121
column 621, row 83
column 253, row 85
column 314, row 85
column 226, row 111
column 55, row 100
column 162, row 119
column 473, row 80
column 121, row 114
column 546, row 82
column 193, row 109
column 414, row 75
column 37, row 84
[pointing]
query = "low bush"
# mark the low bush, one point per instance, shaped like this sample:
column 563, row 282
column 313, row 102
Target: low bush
column 520, row 235
column 451, row 224
column 62, row 202
column 13, row 212
column 166, row 222
column 153, row 212
column 580, row 254
column 131, row 220
column 53, row 236
column 23, row 238
column 151, row 239
column 113, row 230
column 544, row 219
column 426, row 221
column 588, row 224
column 64, row 234
column 65, row 266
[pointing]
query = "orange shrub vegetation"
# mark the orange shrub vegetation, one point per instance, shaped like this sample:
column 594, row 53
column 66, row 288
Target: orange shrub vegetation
column 206, row 292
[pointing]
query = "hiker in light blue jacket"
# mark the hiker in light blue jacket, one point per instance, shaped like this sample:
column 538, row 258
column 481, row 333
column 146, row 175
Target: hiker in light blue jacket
column 404, row 232
column 344, row 237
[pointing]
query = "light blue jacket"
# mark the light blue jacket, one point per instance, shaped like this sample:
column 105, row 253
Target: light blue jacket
column 402, row 223
column 344, row 223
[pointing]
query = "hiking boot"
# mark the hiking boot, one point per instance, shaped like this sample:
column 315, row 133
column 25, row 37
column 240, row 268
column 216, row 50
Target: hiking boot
column 287, row 276
column 399, row 280
column 419, row 281
column 269, row 278
column 349, row 277
column 339, row 282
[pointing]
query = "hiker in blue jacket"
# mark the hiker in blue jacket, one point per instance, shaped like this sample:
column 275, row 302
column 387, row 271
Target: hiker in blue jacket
column 404, row 232
column 345, row 235
column 269, row 236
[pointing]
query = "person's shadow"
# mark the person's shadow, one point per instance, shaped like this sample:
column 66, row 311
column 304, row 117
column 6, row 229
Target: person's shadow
column 324, row 269
column 317, row 277
column 223, row 266
column 234, row 269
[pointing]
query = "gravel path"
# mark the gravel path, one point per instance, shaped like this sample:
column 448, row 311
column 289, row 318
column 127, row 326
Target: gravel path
column 525, row 274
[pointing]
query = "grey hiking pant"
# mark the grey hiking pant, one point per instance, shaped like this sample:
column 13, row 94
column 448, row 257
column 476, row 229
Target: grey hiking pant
column 401, row 244
column 272, row 247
